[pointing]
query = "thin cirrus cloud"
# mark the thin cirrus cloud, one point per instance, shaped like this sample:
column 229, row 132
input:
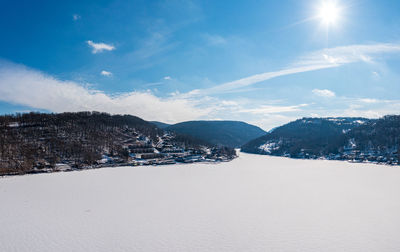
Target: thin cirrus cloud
column 322, row 59
column 268, row 109
column 99, row 47
column 323, row 92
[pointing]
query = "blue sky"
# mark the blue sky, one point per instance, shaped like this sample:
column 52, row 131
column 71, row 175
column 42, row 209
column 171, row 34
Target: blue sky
column 263, row 62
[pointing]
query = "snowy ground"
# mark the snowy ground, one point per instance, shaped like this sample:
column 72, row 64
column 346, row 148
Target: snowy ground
column 254, row 203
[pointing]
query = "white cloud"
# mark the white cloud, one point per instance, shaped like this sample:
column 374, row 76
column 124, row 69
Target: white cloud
column 167, row 78
column 99, row 47
column 354, row 107
column 258, row 78
column 323, row 92
column 369, row 100
column 273, row 109
column 76, row 17
column 376, row 110
column 106, row 73
column 323, row 59
column 24, row 86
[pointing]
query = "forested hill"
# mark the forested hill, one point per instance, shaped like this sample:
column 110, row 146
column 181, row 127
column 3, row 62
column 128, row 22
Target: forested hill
column 35, row 141
column 160, row 125
column 316, row 135
column 225, row 133
column 381, row 135
column 333, row 138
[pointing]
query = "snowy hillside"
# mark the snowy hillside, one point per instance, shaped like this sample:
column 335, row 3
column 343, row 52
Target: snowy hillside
column 254, row 203
column 341, row 138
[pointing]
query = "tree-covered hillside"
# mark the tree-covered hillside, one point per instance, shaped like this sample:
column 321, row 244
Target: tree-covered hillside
column 39, row 141
column 160, row 125
column 316, row 136
column 333, row 138
column 223, row 133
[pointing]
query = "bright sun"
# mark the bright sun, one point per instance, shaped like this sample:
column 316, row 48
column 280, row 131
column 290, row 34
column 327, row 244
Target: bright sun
column 329, row 13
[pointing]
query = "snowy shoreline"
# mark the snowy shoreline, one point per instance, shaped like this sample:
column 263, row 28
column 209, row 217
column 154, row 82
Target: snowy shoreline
column 203, row 162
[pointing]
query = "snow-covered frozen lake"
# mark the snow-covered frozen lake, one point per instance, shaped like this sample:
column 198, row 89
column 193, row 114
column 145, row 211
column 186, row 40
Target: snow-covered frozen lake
column 254, row 203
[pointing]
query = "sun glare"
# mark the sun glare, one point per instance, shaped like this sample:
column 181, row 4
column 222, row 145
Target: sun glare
column 329, row 13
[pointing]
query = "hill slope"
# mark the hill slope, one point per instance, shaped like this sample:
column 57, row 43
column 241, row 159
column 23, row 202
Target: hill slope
column 333, row 138
column 226, row 133
column 37, row 142
column 313, row 135
column 160, row 125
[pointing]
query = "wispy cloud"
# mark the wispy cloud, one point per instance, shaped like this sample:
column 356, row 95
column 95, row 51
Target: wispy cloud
column 354, row 107
column 24, row 86
column 106, row 73
column 369, row 100
column 323, row 92
column 99, row 47
column 273, row 109
column 167, row 78
column 348, row 54
column 369, row 108
column 322, row 59
column 244, row 82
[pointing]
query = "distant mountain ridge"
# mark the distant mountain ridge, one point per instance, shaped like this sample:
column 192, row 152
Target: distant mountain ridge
column 160, row 125
column 333, row 138
column 221, row 133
